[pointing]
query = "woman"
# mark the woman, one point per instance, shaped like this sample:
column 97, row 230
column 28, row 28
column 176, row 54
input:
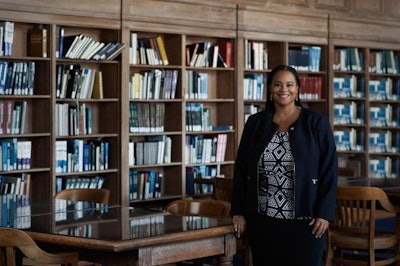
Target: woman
column 285, row 178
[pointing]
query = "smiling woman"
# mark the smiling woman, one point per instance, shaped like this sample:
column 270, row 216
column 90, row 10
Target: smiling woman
column 285, row 177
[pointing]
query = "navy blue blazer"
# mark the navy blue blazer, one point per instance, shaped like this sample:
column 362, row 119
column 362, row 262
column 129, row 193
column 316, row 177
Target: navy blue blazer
column 315, row 159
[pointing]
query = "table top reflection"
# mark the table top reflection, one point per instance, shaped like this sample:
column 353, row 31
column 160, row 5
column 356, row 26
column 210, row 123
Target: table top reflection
column 118, row 224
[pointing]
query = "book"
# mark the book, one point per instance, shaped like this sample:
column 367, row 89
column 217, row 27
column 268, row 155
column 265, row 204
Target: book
column 114, row 52
column 38, row 42
column 225, row 50
column 97, row 91
column 161, row 48
column 68, row 43
column 8, row 37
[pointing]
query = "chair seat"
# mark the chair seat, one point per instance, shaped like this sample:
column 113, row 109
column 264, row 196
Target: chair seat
column 361, row 241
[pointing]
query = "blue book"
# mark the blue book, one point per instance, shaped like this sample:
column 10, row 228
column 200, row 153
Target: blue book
column 152, row 182
column 4, row 210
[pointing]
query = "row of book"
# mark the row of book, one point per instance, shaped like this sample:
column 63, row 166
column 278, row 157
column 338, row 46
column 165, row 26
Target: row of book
column 153, row 150
column 198, row 118
column 349, row 139
column 384, row 115
column 154, row 84
column 81, row 46
column 255, row 55
column 305, row 58
column 346, row 113
column 352, row 59
column 72, row 120
column 385, row 167
column 384, row 89
column 254, row 86
column 208, row 54
column 196, row 85
column 79, row 182
column 17, row 78
column 76, row 82
column 146, row 117
column 77, row 155
column 12, row 116
column 15, row 154
column 384, row 142
column 200, row 172
column 147, row 51
column 15, row 211
column 348, row 59
column 383, row 61
column 311, row 88
column 348, row 86
column 145, row 184
column 18, row 184
column 206, row 148
column 6, row 38
column 250, row 109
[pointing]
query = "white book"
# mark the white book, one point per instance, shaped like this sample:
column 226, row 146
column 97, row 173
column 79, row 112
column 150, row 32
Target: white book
column 133, row 49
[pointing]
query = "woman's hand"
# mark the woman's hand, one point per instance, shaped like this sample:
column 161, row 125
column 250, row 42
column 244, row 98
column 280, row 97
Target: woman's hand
column 320, row 226
column 239, row 225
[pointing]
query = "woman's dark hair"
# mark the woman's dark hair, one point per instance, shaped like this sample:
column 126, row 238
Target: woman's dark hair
column 269, row 104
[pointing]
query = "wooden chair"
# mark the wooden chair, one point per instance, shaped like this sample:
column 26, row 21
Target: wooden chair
column 352, row 237
column 12, row 239
column 223, row 190
column 85, row 194
column 346, row 172
column 199, row 207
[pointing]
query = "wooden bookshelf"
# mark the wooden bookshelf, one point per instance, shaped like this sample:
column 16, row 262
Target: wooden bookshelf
column 220, row 99
column 364, row 156
column 40, row 127
column 278, row 46
column 179, row 24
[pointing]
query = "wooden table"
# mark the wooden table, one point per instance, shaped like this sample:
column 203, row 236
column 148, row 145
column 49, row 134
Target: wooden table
column 134, row 236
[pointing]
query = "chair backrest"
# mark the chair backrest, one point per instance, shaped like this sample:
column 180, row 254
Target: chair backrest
column 200, row 207
column 223, row 189
column 346, row 172
column 11, row 238
column 85, row 194
column 356, row 209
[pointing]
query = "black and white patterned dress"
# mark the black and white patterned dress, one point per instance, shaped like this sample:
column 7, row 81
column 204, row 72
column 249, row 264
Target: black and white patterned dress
column 276, row 178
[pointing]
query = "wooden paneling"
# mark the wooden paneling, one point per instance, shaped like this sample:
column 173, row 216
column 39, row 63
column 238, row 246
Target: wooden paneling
column 308, row 27
column 342, row 5
column 291, row 2
column 109, row 9
column 368, row 7
column 392, row 7
column 364, row 32
column 181, row 16
column 102, row 14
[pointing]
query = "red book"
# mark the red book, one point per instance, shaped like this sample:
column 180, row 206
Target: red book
column 225, row 50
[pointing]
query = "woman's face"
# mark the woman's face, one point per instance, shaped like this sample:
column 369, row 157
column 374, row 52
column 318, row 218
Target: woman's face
column 284, row 88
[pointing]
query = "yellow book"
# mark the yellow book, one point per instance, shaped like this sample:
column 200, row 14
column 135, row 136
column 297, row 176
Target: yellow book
column 161, row 48
column 97, row 92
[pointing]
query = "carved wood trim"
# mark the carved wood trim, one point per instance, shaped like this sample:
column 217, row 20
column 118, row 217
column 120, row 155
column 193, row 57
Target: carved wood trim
column 181, row 14
column 286, row 26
